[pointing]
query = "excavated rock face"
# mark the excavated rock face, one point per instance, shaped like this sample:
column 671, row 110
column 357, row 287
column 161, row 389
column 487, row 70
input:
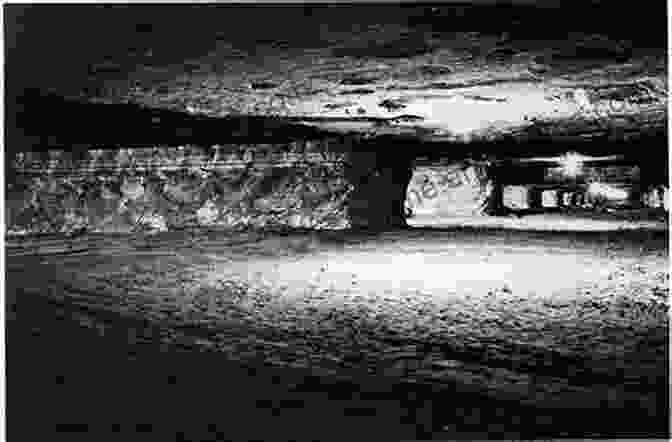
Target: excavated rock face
column 416, row 71
column 297, row 185
column 168, row 188
column 453, row 81
column 315, row 185
column 456, row 73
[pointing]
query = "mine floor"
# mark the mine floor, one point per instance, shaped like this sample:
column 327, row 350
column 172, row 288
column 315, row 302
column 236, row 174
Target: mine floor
column 567, row 220
column 409, row 334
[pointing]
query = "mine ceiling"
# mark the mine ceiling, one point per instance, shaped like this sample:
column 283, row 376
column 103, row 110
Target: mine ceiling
column 447, row 74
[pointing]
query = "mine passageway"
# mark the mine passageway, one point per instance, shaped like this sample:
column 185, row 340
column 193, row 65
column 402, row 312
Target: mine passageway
column 420, row 332
column 398, row 221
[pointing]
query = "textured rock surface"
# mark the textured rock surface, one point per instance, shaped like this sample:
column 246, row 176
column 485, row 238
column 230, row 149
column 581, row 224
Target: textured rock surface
column 390, row 77
column 317, row 185
column 167, row 188
column 310, row 184
column 441, row 73
column 456, row 75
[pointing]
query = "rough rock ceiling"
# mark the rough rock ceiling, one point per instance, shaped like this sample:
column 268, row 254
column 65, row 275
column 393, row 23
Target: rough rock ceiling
column 448, row 93
column 389, row 70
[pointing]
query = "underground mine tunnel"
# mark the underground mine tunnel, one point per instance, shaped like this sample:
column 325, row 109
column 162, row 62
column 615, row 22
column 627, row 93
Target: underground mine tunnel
column 270, row 173
column 421, row 222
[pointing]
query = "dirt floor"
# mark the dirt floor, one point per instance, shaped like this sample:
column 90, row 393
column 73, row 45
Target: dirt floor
column 419, row 333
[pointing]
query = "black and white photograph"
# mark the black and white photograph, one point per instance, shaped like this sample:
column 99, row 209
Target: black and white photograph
column 261, row 221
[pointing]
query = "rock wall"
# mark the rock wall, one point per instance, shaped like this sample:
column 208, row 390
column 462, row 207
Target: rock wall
column 308, row 184
column 129, row 190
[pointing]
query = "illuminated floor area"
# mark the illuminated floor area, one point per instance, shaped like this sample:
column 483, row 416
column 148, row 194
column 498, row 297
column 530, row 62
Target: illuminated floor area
column 568, row 222
column 548, row 320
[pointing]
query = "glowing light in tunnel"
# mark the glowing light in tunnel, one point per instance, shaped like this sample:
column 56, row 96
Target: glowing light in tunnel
column 571, row 164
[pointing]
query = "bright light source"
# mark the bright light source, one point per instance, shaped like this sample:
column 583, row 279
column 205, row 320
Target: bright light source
column 571, row 164
column 607, row 191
